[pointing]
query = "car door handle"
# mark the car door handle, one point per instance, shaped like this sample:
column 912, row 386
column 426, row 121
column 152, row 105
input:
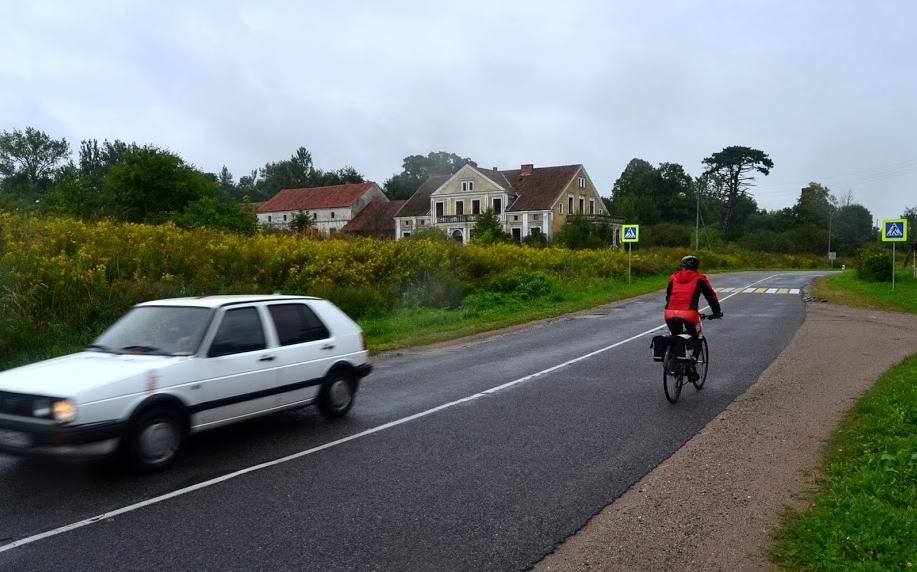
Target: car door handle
column 266, row 358
column 328, row 347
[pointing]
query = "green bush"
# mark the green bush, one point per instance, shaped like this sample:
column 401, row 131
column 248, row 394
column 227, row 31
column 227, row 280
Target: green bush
column 874, row 264
column 668, row 234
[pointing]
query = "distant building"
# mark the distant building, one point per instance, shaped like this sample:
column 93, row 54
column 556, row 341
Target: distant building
column 377, row 219
column 331, row 207
column 527, row 200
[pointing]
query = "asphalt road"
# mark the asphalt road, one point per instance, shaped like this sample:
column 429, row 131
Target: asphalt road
column 488, row 483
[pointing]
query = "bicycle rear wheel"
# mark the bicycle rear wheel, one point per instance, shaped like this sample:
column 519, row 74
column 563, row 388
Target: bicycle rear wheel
column 672, row 377
column 703, row 363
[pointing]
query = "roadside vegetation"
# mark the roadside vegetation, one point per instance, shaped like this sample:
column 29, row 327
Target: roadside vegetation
column 869, row 284
column 864, row 516
column 63, row 280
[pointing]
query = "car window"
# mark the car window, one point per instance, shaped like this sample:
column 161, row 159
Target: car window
column 173, row 330
column 297, row 323
column 240, row 331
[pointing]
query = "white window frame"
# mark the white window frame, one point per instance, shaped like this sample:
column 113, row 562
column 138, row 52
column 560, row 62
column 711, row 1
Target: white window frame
column 467, row 185
column 443, row 210
column 582, row 182
column 592, row 206
column 561, row 208
column 457, row 203
column 473, row 201
column 570, row 203
column 493, row 203
column 582, row 205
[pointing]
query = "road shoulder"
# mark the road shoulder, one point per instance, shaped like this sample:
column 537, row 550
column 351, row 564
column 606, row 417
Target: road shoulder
column 714, row 503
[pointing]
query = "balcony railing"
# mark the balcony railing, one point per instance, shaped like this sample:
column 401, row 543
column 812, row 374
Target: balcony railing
column 449, row 219
column 597, row 219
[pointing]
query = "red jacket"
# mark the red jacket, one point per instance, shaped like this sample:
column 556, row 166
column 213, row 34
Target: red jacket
column 685, row 289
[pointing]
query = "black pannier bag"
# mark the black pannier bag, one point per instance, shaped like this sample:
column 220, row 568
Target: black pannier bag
column 683, row 347
column 659, row 345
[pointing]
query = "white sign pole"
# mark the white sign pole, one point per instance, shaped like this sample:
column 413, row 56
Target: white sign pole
column 893, row 265
column 629, row 246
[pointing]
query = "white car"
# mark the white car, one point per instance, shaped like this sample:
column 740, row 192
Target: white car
column 171, row 368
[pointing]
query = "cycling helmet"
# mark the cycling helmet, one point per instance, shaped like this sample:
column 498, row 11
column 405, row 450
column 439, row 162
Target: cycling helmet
column 690, row 262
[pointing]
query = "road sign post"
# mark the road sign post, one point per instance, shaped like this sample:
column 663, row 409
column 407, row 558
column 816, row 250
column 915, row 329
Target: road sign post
column 894, row 230
column 832, row 256
column 630, row 235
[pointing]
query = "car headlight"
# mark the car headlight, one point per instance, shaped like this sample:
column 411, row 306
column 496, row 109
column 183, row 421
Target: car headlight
column 64, row 411
column 42, row 408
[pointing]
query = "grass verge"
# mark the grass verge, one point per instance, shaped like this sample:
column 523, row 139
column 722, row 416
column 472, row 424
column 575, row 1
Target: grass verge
column 406, row 327
column 864, row 515
column 845, row 288
column 418, row 326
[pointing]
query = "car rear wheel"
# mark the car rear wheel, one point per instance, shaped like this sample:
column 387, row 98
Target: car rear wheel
column 154, row 439
column 337, row 394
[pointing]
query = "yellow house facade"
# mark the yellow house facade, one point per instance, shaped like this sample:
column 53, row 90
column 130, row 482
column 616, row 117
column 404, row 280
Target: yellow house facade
column 527, row 200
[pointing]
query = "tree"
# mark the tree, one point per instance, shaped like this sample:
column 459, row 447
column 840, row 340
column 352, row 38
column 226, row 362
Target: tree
column 736, row 166
column 579, row 232
column 417, row 168
column 296, row 172
column 149, row 184
column 30, row 158
column 302, row 222
column 488, row 229
column 648, row 195
column 221, row 213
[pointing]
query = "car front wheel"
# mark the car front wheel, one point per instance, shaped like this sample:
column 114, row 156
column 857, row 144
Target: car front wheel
column 154, row 440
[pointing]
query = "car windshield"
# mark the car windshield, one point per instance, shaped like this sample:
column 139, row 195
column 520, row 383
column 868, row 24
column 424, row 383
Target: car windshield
column 160, row 330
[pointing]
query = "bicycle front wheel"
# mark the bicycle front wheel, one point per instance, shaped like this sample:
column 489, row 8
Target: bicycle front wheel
column 672, row 376
column 703, row 363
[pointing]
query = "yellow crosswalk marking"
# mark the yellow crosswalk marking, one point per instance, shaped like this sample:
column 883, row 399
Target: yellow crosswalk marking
column 760, row 290
column 783, row 291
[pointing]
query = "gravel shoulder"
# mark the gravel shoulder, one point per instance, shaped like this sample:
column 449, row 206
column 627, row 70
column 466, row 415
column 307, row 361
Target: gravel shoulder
column 713, row 504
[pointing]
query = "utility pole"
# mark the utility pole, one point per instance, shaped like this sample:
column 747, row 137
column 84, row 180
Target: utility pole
column 697, row 223
column 829, row 238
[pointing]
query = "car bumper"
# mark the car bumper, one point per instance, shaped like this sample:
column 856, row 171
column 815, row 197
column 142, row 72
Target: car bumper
column 29, row 439
column 363, row 370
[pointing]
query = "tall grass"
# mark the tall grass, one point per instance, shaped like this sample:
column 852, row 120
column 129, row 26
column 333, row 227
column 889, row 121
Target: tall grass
column 63, row 280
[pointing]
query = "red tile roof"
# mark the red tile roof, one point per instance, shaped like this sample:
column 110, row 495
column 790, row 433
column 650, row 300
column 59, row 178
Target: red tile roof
column 419, row 203
column 376, row 218
column 540, row 190
column 312, row 198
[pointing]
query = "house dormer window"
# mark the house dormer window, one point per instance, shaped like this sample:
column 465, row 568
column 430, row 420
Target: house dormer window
column 467, row 185
column 582, row 182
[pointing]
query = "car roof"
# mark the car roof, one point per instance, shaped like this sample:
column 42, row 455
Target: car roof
column 219, row 301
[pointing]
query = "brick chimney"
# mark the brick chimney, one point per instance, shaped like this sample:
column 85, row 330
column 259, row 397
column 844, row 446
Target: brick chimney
column 527, row 169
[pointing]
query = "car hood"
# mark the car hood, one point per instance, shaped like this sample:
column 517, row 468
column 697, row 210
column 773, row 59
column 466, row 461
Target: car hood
column 69, row 375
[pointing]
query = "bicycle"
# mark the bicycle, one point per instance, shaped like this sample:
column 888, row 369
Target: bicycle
column 675, row 368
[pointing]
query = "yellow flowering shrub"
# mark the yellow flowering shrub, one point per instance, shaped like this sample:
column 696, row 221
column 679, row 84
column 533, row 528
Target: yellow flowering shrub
column 65, row 279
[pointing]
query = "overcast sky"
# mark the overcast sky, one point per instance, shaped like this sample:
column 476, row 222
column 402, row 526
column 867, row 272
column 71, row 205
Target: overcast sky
column 828, row 89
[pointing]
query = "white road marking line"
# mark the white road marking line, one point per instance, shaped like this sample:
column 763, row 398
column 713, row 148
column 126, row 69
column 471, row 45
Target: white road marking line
column 377, row 429
column 749, row 290
column 794, row 290
column 771, row 291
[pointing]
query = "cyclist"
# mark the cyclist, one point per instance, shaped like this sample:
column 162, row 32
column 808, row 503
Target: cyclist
column 681, row 303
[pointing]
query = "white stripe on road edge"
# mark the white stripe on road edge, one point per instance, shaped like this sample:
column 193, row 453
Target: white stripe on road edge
column 383, row 427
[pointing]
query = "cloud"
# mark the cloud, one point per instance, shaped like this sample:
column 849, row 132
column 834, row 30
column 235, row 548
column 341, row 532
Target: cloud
column 826, row 89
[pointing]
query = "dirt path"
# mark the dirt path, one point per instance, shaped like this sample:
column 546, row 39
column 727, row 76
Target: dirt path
column 713, row 504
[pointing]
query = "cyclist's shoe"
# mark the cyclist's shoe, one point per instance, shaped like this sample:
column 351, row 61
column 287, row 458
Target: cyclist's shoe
column 693, row 375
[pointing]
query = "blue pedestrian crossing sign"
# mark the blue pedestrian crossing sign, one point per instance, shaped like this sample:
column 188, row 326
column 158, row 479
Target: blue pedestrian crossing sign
column 630, row 233
column 894, row 230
